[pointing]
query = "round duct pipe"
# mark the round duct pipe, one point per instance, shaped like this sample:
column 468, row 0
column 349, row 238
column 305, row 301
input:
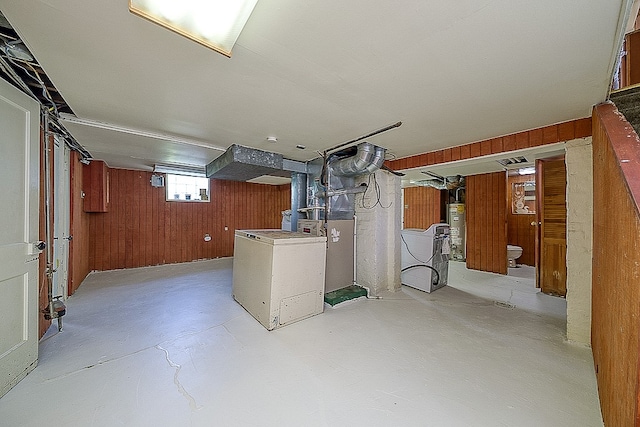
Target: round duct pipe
column 367, row 159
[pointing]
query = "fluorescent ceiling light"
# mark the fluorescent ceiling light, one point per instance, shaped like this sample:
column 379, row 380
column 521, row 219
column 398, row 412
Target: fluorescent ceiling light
column 137, row 132
column 215, row 24
column 187, row 170
column 527, row 171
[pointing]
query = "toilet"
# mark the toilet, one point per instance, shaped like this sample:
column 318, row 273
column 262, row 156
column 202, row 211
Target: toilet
column 513, row 253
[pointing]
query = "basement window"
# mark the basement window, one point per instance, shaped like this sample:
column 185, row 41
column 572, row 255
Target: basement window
column 181, row 188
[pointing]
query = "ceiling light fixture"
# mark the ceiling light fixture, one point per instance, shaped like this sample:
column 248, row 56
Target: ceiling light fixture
column 215, row 24
column 272, row 139
column 187, row 170
column 137, row 132
column 527, row 171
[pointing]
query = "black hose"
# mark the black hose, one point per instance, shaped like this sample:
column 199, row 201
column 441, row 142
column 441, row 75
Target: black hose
column 388, row 169
column 427, row 266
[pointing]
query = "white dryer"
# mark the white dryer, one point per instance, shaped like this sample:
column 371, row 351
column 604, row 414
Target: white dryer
column 425, row 257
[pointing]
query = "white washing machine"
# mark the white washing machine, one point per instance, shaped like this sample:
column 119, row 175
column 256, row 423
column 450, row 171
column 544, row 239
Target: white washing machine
column 278, row 276
column 425, row 257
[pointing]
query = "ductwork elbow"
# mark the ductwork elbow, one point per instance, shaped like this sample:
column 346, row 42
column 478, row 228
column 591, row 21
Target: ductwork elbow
column 367, row 159
column 377, row 161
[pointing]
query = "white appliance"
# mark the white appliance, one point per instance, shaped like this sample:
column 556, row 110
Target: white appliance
column 278, row 276
column 425, row 257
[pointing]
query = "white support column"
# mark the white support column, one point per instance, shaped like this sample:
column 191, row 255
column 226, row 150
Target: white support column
column 579, row 161
column 378, row 234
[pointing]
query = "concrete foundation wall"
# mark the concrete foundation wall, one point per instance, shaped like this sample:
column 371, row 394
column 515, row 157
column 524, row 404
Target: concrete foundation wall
column 579, row 161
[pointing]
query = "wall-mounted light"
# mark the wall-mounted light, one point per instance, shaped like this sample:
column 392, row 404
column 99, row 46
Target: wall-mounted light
column 187, row 170
column 214, row 24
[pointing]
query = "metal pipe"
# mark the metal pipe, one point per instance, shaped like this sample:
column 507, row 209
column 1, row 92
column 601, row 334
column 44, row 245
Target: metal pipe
column 457, row 196
column 379, row 131
column 47, row 212
column 352, row 190
column 355, row 253
column 298, row 197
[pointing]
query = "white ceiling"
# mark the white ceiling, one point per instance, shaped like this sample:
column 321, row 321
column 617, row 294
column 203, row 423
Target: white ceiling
column 321, row 72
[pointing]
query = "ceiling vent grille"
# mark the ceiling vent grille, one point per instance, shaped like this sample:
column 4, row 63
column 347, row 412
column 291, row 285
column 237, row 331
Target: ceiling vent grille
column 512, row 161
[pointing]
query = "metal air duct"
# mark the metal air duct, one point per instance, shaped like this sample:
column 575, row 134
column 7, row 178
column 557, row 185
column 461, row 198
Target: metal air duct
column 368, row 159
column 240, row 163
column 341, row 172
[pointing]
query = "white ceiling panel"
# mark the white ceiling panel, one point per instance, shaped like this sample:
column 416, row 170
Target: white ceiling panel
column 320, row 73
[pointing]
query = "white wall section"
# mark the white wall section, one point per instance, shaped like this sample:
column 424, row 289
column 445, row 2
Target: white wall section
column 579, row 161
column 378, row 233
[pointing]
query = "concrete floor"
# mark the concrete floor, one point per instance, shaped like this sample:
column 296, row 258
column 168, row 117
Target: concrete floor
column 168, row 346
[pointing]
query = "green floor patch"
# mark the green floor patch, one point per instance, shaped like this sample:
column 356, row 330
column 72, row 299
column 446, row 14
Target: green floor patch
column 345, row 294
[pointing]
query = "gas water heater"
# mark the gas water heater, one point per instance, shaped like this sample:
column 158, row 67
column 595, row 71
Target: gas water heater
column 456, row 215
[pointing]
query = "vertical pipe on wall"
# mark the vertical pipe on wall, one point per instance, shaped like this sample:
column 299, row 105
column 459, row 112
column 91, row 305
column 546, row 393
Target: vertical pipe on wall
column 298, row 196
column 47, row 212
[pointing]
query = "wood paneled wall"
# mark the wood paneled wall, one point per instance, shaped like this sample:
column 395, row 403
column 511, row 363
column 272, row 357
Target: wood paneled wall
column 561, row 132
column 423, row 207
column 616, row 266
column 520, row 232
column 79, row 227
column 143, row 229
column 487, row 222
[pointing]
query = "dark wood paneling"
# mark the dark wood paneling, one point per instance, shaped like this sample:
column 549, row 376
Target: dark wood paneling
column 96, row 186
column 580, row 128
column 79, row 226
column 142, row 228
column 422, row 207
column 632, row 60
column 486, row 222
column 616, row 266
column 520, row 232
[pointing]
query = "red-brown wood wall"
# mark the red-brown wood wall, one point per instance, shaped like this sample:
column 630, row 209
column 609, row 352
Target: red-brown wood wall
column 560, row 132
column 79, row 227
column 487, row 222
column 141, row 228
column 520, row 232
column 616, row 266
column 422, row 207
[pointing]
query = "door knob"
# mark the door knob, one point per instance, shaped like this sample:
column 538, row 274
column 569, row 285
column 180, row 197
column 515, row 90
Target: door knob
column 534, row 223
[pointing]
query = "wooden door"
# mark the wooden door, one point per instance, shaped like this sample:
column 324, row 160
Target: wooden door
column 19, row 186
column 631, row 71
column 551, row 247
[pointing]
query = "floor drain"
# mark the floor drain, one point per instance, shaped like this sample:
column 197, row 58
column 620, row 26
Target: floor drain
column 504, row 305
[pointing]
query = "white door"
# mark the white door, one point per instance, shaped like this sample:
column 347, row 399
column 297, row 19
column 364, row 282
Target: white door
column 61, row 206
column 19, row 187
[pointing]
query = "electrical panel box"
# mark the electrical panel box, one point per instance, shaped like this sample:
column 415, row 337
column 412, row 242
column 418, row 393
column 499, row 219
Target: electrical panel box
column 312, row 227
